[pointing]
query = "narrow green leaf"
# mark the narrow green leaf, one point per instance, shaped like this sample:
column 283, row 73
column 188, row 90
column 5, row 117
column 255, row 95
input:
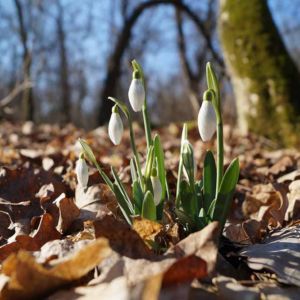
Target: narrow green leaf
column 188, row 199
column 138, row 196
column 149, row 163
column 123, row 191
column 133, row 170
column 209, row 180
column 227, row 188
column 122, row 203
column 188, row 161
column 149, row 209
column 90, row 155
column 159, row 154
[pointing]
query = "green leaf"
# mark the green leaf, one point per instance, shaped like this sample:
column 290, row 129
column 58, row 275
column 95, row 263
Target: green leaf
column 159, row 154
column 227, row 188
column 133, row 170
column 184, row 137
column 122, row 203
column 148, row 208
column 149, row 163
column 188, row 161
column 188, row 199
column 138, row 196
column 209, row 180
column 123, row 191
column 90, row 155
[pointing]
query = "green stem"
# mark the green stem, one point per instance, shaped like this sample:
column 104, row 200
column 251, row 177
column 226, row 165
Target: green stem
column 135, row 152
column 147, row 125
column 220, row 154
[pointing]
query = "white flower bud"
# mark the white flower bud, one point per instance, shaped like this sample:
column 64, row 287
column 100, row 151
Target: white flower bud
column 115, row 128
column 136, row 94
column 157, row 189
column 82, row 172
column 206, row 121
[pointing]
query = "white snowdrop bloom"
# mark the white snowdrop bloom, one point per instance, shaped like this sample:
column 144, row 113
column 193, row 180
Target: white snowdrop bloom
column 82, row 172
column 136, row 94
column 115, row 128
column 206, row 121
column 157, row 189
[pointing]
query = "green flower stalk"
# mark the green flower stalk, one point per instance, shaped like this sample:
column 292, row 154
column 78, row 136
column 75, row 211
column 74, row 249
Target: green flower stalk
column 149, row 187
column 200, row 202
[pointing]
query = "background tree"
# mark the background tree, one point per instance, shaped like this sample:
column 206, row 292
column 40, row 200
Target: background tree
column 264, row 77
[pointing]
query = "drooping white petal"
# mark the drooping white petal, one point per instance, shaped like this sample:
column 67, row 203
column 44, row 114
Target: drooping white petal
column 82, row 172
column 136, row 94
column 115, row 128
column 157, row 189
column 206, row 121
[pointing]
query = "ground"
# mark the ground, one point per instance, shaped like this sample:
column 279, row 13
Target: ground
column 63, row 242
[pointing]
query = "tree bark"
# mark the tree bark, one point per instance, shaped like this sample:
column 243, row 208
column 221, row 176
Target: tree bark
column 64, row 67
column 264, row 77
column 192, row 80
column 27, row 97
column 114, row 61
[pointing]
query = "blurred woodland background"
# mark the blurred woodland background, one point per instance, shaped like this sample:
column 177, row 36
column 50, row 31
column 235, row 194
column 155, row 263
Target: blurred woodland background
column 61, row 59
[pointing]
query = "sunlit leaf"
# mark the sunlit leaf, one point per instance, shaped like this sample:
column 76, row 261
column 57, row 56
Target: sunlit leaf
column 149, row 209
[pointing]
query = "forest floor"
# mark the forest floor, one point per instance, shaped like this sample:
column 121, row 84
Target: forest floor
column 59, row 241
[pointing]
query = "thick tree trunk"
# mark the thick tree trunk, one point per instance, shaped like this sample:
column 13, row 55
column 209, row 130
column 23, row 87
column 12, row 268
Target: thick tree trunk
column 114, row 61
column 265, row 79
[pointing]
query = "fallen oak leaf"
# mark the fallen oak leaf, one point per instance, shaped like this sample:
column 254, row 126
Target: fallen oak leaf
column 279, row 252
column 29, row 279
column 45, row 232
column 122, row 238
column 68, row 212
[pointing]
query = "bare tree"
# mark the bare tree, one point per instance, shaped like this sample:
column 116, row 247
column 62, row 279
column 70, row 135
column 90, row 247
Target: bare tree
column 27, row 97
column 114, row 61
column 64, row 65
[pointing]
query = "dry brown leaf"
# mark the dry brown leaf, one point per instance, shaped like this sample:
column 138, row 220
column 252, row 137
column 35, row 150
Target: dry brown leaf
column 284, row 164
column 146, row 229
column 68, row 212
column 29, row 280
column 247, row 232
column 280, row 253
column 293, row 211
column 229, row 288
column 122, row 238
column 45, row 232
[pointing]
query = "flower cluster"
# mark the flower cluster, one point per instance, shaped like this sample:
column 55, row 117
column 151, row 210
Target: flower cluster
column 198, row 202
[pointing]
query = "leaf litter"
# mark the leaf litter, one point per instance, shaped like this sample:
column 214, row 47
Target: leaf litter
column 60, row 241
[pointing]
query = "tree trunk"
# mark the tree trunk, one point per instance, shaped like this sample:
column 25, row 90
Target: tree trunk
column 191, row 78
column 64, row 66
column 114, row 61
column 265, row 79
column 27, row 97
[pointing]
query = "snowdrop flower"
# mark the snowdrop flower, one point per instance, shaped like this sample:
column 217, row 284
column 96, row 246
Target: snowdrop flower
column 156, row 185
column 82, row 171
column 136, row 93
column 115, row 126
column 206, row 121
